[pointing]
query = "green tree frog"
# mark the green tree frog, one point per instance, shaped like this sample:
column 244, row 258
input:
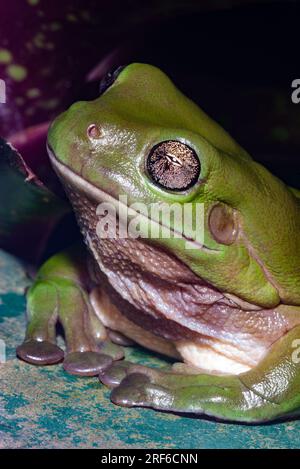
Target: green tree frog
column 227, row 309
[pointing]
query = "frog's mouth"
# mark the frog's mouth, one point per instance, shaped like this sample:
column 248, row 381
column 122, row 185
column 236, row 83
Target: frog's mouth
column 159, row 293
column 100, row 196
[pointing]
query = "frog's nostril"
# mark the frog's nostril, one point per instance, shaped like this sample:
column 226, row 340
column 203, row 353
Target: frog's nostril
column 94, row 131
column 110, row 78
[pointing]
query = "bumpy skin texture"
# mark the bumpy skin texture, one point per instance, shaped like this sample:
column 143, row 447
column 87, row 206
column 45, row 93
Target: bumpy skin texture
column 250, row 256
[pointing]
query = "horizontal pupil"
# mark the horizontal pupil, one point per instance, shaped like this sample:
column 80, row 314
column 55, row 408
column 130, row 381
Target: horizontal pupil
column 173, row 165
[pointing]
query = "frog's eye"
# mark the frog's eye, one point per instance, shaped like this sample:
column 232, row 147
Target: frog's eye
column 110, row 78
column 173, row 165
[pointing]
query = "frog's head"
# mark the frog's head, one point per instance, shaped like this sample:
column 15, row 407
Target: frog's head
column 142, row 138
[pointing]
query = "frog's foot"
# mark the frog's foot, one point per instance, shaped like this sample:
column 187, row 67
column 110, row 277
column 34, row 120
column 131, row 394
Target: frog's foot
column 267, row 392
column 202, row 394
column 88, row 348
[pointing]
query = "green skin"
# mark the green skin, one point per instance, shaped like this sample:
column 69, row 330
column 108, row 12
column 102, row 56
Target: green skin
column 139, row 110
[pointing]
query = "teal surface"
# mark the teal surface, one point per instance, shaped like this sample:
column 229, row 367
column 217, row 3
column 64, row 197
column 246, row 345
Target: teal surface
column 46, row 408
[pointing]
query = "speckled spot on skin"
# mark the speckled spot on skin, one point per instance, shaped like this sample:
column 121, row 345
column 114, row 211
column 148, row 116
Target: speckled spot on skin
column 33, row 93
column 5, row 56
column 16, row 72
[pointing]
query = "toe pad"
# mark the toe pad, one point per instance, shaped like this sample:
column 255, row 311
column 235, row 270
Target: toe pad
column 40, row 352
column 114, row 374
column 86, row 363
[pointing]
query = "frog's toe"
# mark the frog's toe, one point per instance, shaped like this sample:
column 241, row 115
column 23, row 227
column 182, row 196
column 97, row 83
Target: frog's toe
column 114, row 374
column 113, row 350
column 120, row 339
column 138, row 390
column 86, row 363
column 40, row 352
column 135, row 385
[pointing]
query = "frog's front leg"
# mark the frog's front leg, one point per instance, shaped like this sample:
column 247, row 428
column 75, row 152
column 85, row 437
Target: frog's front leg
column 60, row 294
column 268, row 391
